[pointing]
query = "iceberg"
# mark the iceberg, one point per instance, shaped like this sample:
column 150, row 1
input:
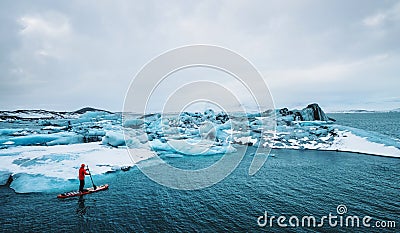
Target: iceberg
column 312, row 112
column 62, row 138
column 133, row 123
column 311, row 128
column 191, row 147
column 113, row 139
column 9, row 132
column 5, row 177
column 38, row 139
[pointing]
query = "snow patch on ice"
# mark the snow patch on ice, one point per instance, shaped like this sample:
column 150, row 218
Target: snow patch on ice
column 61, row 162
column 347, row 141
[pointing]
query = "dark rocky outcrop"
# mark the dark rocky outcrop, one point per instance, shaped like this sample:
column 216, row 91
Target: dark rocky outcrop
column 312, row 112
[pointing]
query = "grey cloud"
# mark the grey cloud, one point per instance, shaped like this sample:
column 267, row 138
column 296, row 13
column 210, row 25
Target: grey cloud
column 308, row 51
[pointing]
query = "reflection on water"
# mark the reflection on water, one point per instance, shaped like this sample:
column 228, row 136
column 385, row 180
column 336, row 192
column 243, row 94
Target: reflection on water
column 81, row 210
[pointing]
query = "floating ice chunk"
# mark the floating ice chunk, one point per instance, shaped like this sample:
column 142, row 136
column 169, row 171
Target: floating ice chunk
column 62, row 138
column 311, row 123
column 94, row 132
column 8, row 143
column 113, row 139
column 54, row 128
column 28, row 183
column 207, row 131
column 313, row 112
column 191, row 147
column 371, row 136
column 287, row 119
column 4, row 176
column 192, row 131
column 319, row 135
column 133, row 123
column 48, row 168
column 92, row 115
column 209, row 114
column 72, row 139
column 8, row 132
column 224, row 136
column 97, row 116
column 152, row 117
column 245, row 140
column 347, row 141
column 36, row 139
column 117, row 139
column 226, row 126
column 169, row 155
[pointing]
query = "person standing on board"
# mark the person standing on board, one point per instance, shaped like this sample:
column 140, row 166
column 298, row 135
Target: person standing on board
column 82, row 173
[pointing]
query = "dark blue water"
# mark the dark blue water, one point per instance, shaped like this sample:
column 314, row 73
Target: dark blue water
column 386, row 122
column 290, row 183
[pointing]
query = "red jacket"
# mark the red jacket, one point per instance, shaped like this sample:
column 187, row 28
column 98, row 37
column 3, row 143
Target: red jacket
column 82, row 173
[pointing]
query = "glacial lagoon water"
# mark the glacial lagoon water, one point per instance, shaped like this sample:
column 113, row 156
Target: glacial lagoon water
column 382, row 122
column 291, row 183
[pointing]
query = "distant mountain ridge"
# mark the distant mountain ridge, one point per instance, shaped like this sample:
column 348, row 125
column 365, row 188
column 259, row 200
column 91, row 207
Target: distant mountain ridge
column 90, row 109
column 45, row 114
column 355, row 111
column 365, row 111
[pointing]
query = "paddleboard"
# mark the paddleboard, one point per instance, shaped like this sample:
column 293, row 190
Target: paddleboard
column 87, row 191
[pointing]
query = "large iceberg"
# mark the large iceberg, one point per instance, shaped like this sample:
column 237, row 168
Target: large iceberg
column 312, row 112
column 311, row 128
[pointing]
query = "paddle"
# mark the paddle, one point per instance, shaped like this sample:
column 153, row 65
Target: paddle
column 90, row 174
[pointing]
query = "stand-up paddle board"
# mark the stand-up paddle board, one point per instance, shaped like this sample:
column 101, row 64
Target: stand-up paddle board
column 87, row 191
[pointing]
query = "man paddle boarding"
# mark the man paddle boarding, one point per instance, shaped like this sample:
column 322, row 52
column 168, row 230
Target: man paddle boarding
column 82, row 173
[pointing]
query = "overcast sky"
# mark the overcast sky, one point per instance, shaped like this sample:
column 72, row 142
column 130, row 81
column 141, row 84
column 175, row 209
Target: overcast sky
column 64, row 55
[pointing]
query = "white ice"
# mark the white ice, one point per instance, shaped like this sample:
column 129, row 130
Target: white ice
column 61, row 162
